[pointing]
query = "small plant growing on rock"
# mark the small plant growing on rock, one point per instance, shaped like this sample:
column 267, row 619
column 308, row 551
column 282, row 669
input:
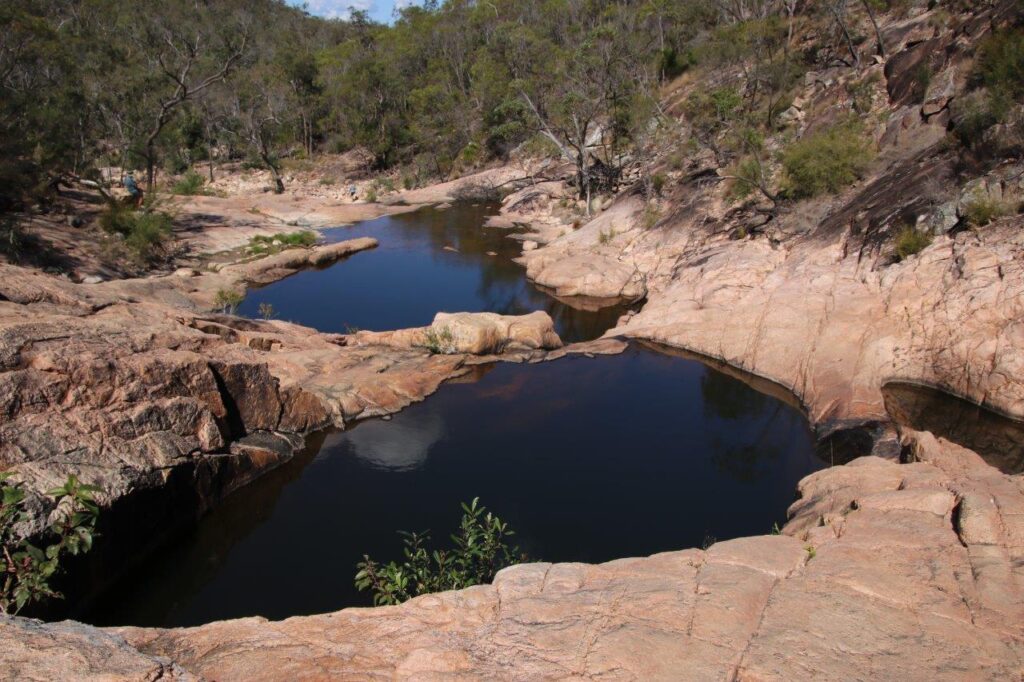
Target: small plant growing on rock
column 228, row 300
column 266, row 310
column 439, row 342
column 482, row 548
column 658, row 182
column 26, row 569
column 606, row 237
column 911, row 241
column 651, row 216
column 981, row 210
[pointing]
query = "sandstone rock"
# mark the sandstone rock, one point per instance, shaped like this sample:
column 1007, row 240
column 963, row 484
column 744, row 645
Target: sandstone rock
column 872, row 557
column 472, row 333
column 530, row 245
column 488, row 333
column 331, row 252
column 92, row 279
column 34, row 651
column 941, row 90
column 281, row 264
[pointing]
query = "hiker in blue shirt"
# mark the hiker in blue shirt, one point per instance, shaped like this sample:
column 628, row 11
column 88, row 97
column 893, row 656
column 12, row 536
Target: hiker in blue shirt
column 134, row 191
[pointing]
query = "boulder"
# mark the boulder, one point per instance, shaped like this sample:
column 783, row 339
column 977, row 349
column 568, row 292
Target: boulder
column 488, row 333
column 329, row 253
column 472, row 333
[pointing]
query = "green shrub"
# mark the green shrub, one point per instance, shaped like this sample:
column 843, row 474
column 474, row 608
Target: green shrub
column 12, row 239
column 650, row 217
column 911, row 241
column 998, row 79
column 826, row 161
column 748, row 174
column 1000, row 67
column 972, row 114
column 471, row 155
column 481, row 550
column 922, row 79
column 190, row 184
column 862, row 92
column 145, row 231
column 25, row 568
column 266, row 310
column 709, row 112
column 658, row 181
column 979, row 210
column 228, row 300
column 671, row 63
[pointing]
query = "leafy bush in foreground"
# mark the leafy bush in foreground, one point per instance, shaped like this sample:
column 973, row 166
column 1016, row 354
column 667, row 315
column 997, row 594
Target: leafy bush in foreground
column 826, row 161
column 25, row 569
column 481, row 550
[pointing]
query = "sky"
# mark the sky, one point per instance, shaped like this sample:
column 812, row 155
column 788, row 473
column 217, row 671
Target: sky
column 380, row 10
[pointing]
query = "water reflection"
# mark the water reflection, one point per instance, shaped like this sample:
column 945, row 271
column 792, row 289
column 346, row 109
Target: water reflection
column 428, row 261
column 588, row 459
column 400, row 446
column 998, row 439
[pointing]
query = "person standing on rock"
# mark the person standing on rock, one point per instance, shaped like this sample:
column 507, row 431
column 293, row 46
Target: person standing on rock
column 134, row 191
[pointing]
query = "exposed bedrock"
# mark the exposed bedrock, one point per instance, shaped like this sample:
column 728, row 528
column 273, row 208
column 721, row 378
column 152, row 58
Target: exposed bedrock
column 885, row 571
column 814, row 300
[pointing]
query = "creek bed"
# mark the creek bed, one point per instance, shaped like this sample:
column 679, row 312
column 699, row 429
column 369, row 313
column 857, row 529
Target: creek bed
column 588, row 459
column 428, row 261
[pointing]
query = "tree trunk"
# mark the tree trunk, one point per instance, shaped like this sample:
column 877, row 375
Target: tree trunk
column 150, row 167
column 878, row 33
column 278, row 182
column 274, row 173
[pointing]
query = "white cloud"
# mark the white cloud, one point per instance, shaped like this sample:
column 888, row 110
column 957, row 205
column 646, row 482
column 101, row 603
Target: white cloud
column 338, row 9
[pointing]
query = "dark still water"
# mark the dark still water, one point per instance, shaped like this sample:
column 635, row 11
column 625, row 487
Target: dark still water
column 587, row 459
column 412, row 276
column 998, row 439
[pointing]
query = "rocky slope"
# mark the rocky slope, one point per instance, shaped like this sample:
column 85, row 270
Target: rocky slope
column 810, row 294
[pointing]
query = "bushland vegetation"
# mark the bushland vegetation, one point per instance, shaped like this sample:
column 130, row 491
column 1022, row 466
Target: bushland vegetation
column 450, row 85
